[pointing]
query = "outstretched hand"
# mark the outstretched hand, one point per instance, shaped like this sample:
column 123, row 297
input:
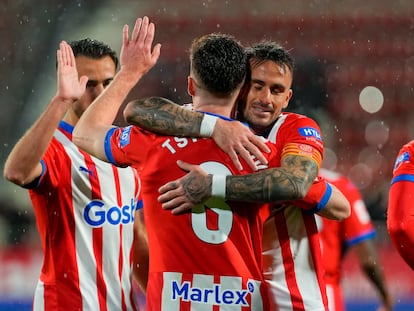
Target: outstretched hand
column 182, row 194
column 236, row 139
column 70, row 87
column 137, row 55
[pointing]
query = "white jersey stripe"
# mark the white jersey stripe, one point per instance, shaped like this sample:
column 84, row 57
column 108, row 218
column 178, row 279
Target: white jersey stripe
column 87, row 270
column 167, row 303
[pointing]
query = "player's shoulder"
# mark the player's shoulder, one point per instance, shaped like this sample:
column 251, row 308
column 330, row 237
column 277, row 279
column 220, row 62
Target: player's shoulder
column 298, row 121
column 296, row 117
column 408, row 147
column 298, row 124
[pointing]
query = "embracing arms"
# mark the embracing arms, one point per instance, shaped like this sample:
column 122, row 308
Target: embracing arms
column 165, row 117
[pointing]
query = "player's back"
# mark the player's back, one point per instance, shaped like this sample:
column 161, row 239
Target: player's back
column 209, row 257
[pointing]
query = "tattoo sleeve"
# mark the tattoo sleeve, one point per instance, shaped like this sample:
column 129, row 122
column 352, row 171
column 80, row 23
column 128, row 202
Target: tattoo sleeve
column 291, row 181
column 163, row 116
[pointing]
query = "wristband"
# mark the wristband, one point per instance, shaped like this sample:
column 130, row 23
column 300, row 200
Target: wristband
column 324, row 200
column 207, row 125
column 218, row 186
column 317, row 197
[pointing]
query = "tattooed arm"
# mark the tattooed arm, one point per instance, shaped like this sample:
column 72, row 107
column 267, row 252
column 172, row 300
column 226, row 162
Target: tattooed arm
column 165, row 117
column 289, row 182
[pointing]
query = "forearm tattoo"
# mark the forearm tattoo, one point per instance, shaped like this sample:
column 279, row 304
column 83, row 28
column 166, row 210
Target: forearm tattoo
column 197, row 188
column 289, row 182
column 163, row 116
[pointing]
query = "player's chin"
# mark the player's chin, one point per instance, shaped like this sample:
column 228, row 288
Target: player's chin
column 262, row 119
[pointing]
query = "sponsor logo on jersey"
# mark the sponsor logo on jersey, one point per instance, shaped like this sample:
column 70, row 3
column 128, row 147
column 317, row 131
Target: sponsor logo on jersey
column 215, row 295
column 125, row 135
column 404, row 157
column 97, row 214
column 310, row 132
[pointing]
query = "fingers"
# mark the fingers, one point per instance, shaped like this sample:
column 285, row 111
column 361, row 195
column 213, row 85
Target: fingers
column 137, row 29
column 260, row 143
column 125, row 35
column 167, row 187
column 252, row 149
column 235, row 159
column 183, row 208
column 185, row 166
column 65, row 55
column 174, row 200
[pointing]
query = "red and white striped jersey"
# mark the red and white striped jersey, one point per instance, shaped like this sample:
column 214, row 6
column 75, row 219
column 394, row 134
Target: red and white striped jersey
column 338, row 236
column 84, row 211
column 209, row 259
column 292, row 259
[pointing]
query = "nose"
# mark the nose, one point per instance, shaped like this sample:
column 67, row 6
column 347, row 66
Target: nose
column 98, row 89
column 265, row 95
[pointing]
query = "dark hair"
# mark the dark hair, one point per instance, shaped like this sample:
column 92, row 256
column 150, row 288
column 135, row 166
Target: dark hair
column 269, row 51
column 218, row 63
column 93, row 49
column 257, row 54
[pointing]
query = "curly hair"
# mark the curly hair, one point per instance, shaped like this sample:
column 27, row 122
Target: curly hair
column 218, row 63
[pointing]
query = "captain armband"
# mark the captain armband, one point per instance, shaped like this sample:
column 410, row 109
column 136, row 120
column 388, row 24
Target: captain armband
column 218, row 186
column 207, row 125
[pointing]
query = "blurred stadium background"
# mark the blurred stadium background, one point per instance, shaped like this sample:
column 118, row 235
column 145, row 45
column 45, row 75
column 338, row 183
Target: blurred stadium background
column 355, row 75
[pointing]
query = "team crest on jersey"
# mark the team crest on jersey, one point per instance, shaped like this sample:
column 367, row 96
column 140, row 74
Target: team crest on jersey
column 309, row 132
column 125, row 135
column 405, row 157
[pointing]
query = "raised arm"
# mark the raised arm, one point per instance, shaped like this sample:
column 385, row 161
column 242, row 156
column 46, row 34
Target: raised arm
column 165, row 117
column 23, row 164
column 137, row 57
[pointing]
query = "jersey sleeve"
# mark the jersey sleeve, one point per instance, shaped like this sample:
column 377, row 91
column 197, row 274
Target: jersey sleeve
column 303, row 138
column 51, row 162
column 358, row 226
column 125, row 146
column 299, row 135
column 400, row 220
column 317, row 196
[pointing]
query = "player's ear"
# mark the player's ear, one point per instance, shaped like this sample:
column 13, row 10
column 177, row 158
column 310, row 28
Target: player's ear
column 288, row 97
column 190, row 86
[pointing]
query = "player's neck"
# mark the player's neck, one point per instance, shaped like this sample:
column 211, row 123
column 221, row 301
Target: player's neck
column 220, row 106
column 70, row 117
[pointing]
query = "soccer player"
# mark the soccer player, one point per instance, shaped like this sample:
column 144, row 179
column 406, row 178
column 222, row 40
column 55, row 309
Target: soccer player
column 210, row 258
column 354, row 233
column 85, row 208
column 293, row 264
column 400, row 220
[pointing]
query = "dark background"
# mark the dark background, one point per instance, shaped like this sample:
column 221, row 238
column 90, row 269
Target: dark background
column 340, row 48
